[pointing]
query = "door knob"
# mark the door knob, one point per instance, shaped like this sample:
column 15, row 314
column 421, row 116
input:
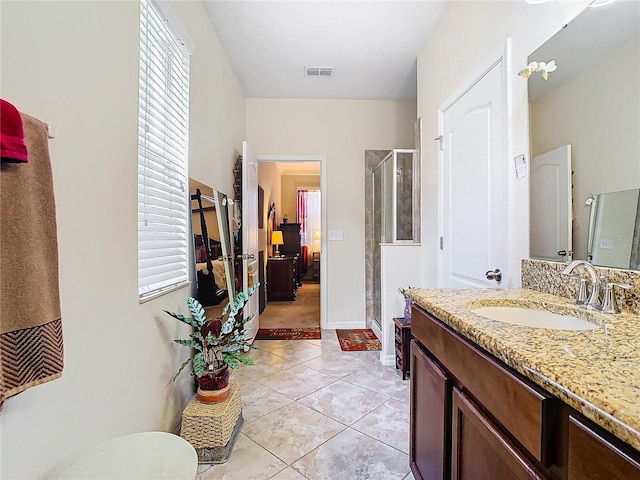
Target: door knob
column 494, row 275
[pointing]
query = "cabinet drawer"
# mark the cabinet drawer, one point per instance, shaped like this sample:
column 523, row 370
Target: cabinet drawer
column 499, row 389
column 480, row 450
column 593, row 455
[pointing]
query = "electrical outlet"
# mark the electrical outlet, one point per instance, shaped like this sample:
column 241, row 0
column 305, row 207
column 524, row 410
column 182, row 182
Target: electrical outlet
column 335, row 234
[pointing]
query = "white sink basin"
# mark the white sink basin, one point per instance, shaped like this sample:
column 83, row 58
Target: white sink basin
column 529, row 317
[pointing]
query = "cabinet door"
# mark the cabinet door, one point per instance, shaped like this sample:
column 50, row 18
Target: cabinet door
column 429, row 440
column 479, row 451
column 592, row 455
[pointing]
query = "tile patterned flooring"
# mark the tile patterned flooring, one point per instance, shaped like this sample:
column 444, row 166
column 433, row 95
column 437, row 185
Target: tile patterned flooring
column 315, row 412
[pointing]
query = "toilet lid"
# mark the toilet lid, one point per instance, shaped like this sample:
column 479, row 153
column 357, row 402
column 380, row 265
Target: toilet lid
column 143, row 456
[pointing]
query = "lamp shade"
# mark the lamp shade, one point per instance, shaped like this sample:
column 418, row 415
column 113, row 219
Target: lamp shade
column 276, row 238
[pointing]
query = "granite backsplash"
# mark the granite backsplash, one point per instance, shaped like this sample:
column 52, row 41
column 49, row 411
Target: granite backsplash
column 544, row 276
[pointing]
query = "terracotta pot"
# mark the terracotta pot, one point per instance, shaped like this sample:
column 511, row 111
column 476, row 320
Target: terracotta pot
column 214, row 396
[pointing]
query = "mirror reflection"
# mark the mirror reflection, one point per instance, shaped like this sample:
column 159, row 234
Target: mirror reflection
column 213, row 245
column 614, row 229
column 584, row 136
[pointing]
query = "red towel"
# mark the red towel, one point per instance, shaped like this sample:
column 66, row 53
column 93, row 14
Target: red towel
column 12, row 147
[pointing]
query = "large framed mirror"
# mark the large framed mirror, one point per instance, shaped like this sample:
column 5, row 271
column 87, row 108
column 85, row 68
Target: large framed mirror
column 585, row 146
column 213, row 245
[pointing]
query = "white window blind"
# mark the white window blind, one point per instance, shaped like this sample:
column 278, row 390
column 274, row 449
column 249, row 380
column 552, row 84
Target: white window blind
column 163, row 188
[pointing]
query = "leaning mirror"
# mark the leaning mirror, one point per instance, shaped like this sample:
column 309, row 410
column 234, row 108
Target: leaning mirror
column 584, row 124
column 213, row 247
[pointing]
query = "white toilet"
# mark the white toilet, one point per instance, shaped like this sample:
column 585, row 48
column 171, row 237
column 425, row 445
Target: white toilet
column 143, row 456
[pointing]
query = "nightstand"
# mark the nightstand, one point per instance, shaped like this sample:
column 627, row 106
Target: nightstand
column 403, row 338
column 281, row 278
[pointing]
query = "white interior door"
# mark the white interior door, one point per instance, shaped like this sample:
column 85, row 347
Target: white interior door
column 250, row 237
column 474, row 184
column 550, row 200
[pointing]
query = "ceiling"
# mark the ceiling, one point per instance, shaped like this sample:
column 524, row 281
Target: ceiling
column 372, row 45
column 297, row 168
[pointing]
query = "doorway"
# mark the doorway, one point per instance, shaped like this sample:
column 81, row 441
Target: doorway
column 293, row 240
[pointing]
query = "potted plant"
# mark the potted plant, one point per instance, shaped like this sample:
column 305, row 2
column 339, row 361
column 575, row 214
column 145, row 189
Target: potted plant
column 407, row 303
column 285, row 219
column 219, row 343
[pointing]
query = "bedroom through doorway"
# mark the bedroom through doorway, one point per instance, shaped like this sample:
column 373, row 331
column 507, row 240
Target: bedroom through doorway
column 292, row 240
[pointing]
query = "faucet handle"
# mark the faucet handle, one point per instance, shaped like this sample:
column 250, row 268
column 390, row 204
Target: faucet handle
column 609, row 303
column 582, row 291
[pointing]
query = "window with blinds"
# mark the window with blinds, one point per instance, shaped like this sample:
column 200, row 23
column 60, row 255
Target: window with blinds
column 163, row 184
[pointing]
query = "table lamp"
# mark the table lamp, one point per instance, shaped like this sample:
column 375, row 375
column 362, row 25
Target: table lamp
column 277, row 240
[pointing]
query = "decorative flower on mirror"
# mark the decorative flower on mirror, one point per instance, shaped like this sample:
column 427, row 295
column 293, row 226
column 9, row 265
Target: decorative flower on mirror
column 544, row 68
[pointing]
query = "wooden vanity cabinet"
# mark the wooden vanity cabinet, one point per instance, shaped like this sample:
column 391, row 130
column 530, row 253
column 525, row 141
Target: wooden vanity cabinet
column 592, row 454
column 429, row 431
column 473, row 417
column 480, row 450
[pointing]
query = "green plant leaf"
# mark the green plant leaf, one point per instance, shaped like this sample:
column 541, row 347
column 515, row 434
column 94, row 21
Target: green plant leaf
column 227, row 327
column 198, row 364
column 232, row 348
column 197, row 310
column 185, row 363
column 188, row 320
column 244, row 359
column 232, row 362
column 189, row 343
column 198, row 336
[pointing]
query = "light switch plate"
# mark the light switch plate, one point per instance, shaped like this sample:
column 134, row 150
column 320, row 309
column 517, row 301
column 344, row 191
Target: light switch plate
column 335, row 234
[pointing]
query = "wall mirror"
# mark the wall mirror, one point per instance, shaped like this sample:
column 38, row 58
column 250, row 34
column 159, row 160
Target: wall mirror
column 213, row 245
column 587, row 114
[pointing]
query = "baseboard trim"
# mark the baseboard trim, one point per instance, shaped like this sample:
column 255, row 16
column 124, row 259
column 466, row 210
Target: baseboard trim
column 388, row 360
column 377, row 331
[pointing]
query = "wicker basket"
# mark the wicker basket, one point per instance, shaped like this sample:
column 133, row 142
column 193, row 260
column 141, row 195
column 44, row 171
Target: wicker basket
column 211, row 425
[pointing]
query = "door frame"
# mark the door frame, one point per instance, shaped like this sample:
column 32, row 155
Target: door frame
column 323, row 219
column 500, row 54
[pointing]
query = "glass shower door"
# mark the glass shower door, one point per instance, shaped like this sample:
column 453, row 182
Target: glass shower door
column 378, row 221
column 396, row 199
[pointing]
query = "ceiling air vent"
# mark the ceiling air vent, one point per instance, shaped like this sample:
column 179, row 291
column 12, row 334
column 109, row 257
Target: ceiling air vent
column 318, row 71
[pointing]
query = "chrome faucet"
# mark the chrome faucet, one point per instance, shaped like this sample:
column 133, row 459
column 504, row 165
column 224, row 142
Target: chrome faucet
column 593, row 299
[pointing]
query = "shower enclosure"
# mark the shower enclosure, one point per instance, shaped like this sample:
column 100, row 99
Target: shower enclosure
column 396, row 210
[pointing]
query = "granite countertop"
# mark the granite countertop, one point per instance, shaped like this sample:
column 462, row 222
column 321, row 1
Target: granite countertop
column 597, row 372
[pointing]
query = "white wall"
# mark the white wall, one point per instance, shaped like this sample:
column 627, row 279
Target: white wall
column 398, row 269
column 342, row 130
column 290, row 186
column 602, row 129
column 464, row 38
column 74, row 65
column 269, row 179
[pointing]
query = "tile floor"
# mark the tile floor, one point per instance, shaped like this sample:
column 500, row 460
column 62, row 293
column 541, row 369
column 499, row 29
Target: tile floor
column 315, row 412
